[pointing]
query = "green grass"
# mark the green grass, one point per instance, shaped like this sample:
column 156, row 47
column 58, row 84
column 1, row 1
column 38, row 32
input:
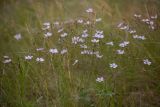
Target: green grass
column 57, row 82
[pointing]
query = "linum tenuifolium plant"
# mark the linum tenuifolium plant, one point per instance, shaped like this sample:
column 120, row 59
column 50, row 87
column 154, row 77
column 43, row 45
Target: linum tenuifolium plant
column 85, row 46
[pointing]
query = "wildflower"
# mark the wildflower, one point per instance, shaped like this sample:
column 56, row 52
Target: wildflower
column 48, row 34
column 100, row 79
column 88, row 52
column 124, row 27
column 113, row 65
column 18, row 36
column 64, row 51
column 28, row 57
column 135, row 36
column 40, row 59
column 154, row 17
column 99, row 34
column 110, row 43
column 120, row 25
column 75, row 62
column 5, row 57
column 40, row 49
column 147, row 62
column 95, row 40
column 56, row 23
column 87, row 23
column 85, row 31
column 6, row 61
column 60, row 30
column 142, row 37
column 151, row 23
column 76, row 40
column 64, row 35
column 132, row 31
column 124, row 44
column 99, row 56
column 83, row 46
column 152, row 27
column 120, row 52
column 53, row 51
column 137, row 15
column 84, row 35
column 46, row 26
column 98, row 20
column 80, row 21
column 89, row 10
column 145, row 20
column 139, row 37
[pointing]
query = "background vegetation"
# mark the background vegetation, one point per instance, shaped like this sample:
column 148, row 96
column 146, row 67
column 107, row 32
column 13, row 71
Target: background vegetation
column 57, row 82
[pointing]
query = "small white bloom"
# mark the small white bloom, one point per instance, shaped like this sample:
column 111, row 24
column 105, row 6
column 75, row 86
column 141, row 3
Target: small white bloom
column 99, row 34
column 60, row 30
column 56, row 23
column 139, row 37
column 120, row 25
column 84, row 35
column 110, row 43
column 100, row 79
column 151, row 23
column 75, row 62
column 64, row 35
column 48, row 34
column 124, row 44
column 137, row 15
column 76, row 40
column 132, row 31
column 124, row 27
column 28, row 57
column 152, row 27
column 95, row 40
column 142, row 37
column 98, row 20
column 64, row 51
column 113, row 65
column 89, row 10
column 147, row 62
column 154, row 17
column 18, row 36
column 80, row 21
column 83, row 46
column 85, row 31
column 45, row 27
column 53, row 51
column 99, row 56
column 5, row 57
column 145, row 20
column 120, row 52
column 89, row 52
column 87, row 23
column 40, row 59
column 46, row 24
column 40, row 49
column 7, row 61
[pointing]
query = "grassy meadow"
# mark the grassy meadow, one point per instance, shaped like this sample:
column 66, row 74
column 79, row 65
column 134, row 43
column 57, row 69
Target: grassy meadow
column 79, row 53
